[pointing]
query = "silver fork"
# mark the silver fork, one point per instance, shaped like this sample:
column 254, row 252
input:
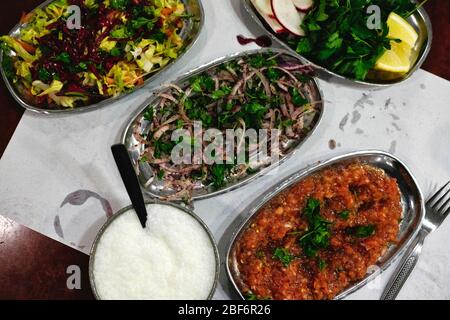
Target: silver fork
column 436, row 211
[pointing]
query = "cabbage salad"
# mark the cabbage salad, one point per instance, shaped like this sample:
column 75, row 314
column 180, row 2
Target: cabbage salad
column 119, row 45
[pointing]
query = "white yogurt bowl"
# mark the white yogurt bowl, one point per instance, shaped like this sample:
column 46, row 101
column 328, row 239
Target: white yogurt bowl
column 174, row 258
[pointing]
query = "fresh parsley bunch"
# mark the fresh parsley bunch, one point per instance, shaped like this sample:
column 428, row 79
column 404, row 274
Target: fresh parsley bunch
column 338, row 37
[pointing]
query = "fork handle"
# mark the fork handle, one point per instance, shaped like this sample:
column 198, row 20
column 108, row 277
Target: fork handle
column 404, row 268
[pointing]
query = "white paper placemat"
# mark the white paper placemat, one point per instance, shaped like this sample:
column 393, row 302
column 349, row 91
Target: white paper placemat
column 58, row 176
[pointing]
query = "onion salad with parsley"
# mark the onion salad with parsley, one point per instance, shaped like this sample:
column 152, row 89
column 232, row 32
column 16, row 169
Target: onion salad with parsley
column 121, row 43
column 258, row 91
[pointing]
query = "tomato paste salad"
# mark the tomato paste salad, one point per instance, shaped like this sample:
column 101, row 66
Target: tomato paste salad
column 317, row 238
column 119, row 45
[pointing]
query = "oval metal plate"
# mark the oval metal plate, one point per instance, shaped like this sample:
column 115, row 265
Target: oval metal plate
column 145, row 170
column 189, row 34
column 419, row 20
column 411, row 198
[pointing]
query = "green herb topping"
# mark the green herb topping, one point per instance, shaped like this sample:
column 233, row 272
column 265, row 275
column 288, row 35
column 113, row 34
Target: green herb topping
column 284, row 256
column 363, row 231
column 318, row 235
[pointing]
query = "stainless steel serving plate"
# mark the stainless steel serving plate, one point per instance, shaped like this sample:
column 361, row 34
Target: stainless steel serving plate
column 145, row 171
column 122, row 211
column 189, row 34
column 411, row 199
column 419, row 20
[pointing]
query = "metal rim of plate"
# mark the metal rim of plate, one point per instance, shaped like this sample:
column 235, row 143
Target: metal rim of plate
column 17, row 97
column 419, row 19
column 412, row 228
column 128, row 131
column 129, row 208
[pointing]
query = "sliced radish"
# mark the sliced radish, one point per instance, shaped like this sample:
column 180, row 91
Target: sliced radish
column 288, row 16
column 264, row 8
column 275, row 25
column 303, row 5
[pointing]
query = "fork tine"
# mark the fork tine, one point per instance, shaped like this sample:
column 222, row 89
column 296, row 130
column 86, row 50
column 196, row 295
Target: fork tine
column 434, row 197
column 445, row 214
column 438, row 203
column 443, row 206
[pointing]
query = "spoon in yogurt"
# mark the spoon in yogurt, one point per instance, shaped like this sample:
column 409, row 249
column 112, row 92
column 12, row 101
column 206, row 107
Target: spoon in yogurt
column 130, row 181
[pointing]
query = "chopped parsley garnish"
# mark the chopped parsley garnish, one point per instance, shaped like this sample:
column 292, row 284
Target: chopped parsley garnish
column 273, row 74
column 143, row 22
column 149, row 114
column 297, row 98
column 143, row 159
column 115, row 52
column 63, row 57
column 321, row 264
column 162, row 148
column 222, row 92
column 259, row 61
column 363, row 231
column 260, row 253
column 286, row 123
column 82, row 66
column 250, row 296
column 344, row 214
column 252, row 170
column 7, row 63
column 160, row 174
column 158, row 36
column 219, row 173
column 195, row 110
column 119, row 4
column 284, row 256
column 44, row 75
column 318, row 235
column 253, row 113
column 202, row 83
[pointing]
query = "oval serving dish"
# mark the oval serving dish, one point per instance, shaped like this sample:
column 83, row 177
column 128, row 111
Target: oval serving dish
column 140, row 125
column 189, row 34
column 412, row 204
column 419, row 20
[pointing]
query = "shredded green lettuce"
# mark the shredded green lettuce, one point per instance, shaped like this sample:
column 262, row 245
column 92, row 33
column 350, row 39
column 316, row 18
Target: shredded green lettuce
column 41, row 89
column 107, row 44
column 23, row 70
column 41, row 19
column 17, row 48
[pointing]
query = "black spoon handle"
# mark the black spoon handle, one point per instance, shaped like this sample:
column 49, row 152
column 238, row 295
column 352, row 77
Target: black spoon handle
column 130, row 181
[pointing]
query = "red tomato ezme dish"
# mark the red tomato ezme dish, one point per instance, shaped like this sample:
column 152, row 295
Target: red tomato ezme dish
column 319, row 236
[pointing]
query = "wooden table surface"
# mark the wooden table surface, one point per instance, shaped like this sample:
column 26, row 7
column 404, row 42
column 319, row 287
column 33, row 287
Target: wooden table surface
column 33, row 266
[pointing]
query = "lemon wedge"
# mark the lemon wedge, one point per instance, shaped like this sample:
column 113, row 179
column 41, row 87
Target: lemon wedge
column 395, row 60
column 398, row 58
column 399, row 28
